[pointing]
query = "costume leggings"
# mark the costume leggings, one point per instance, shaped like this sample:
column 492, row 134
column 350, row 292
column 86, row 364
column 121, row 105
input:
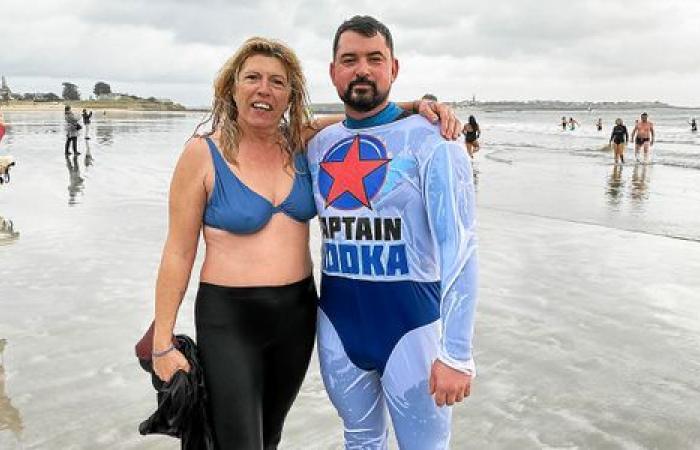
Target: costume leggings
column 254, row 344
column 363, row 397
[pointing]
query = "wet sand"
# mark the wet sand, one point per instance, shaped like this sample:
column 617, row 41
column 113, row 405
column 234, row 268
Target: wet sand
column 588, row 329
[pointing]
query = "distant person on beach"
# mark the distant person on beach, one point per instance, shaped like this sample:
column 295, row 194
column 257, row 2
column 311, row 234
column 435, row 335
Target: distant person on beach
column 399, row 270
column 564, row 122
column 72, row 126
column 643, row 136
column 471, row 135
column 693, row 125
column 2, row 126
column 572, row 123
column 599, row 124
column 618, row 140
column 86, row 122
column 6, row 161
column 246, row 187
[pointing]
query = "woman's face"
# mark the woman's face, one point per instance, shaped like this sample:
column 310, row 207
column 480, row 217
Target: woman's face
column 262, row 92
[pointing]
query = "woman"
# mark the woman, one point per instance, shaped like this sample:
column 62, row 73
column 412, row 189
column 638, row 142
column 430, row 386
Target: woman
column 618, row 140
column 471, row 134
column 247, row 187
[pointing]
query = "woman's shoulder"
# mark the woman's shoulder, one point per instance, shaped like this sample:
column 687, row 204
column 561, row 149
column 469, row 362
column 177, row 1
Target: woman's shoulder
column 196, row 152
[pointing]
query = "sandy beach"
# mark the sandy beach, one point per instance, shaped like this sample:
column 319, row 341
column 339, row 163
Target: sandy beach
column 588, row 326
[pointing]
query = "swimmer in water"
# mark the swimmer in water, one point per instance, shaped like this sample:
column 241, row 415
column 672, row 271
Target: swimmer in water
column 572, row 123
column 643, row 136
column 471, row 136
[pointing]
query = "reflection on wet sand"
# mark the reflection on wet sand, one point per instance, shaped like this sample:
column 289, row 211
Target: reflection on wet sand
column 104, row 134
column 640, row 182
column 88, row 156
column 615, row 185
column 10, row 418
column 76, row 181
column 7, row 231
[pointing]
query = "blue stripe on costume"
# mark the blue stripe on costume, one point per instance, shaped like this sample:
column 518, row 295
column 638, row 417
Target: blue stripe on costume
column 389, row 114
column 384, row 311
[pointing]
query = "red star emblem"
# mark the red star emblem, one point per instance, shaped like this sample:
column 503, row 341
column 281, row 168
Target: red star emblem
column 349, row 174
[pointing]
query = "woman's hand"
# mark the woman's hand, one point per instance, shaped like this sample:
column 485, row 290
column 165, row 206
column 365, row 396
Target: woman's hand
column 450, row 126
column 165, row 366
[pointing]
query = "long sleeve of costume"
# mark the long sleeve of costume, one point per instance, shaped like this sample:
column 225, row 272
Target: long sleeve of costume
column 448, row 192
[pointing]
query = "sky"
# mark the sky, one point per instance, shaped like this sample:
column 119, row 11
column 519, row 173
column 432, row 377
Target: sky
column 585, row 50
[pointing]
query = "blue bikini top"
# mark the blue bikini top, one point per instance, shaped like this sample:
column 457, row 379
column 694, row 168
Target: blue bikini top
column 236, row 208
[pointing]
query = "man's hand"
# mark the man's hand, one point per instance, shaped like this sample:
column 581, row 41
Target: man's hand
column 448, row 385
column 450, row 126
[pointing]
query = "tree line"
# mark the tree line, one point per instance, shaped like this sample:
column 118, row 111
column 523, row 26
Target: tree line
column 70, row 92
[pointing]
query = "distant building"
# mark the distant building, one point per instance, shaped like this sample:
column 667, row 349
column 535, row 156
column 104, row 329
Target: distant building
column 110, row 96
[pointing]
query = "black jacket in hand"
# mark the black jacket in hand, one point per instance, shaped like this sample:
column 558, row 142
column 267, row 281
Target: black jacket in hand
column 181, row 408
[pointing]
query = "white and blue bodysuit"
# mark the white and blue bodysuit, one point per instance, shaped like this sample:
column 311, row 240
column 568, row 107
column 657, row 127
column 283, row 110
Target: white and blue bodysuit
column 399, row 278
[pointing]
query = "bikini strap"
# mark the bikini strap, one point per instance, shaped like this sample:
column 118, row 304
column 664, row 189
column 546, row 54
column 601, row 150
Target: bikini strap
column 217, row 157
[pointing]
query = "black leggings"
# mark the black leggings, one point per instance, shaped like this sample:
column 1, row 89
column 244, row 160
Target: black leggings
column 254, row 345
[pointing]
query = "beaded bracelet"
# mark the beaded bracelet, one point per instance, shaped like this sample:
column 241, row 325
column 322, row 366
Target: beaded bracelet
column 164, row 352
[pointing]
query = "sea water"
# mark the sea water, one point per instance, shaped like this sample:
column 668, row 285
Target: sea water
column 588, row 325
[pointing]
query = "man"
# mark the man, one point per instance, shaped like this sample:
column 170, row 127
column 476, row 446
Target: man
column 643, row 136
column 398, row 292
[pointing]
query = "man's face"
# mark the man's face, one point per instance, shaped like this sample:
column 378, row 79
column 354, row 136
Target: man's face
column 363, row 70
column 644, row 117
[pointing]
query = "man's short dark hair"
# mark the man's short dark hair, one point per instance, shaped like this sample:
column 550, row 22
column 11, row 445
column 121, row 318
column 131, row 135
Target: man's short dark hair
column 367, row 26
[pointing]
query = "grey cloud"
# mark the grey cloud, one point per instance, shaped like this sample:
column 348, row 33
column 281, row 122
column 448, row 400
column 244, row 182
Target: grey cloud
column 560, row 46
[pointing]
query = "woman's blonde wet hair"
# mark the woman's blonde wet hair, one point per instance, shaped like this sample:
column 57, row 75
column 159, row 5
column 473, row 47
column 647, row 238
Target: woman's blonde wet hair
column 224, row 113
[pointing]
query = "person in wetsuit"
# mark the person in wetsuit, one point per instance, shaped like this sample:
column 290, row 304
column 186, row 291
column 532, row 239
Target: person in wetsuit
column 618, row 140
column 246, row 187
column 693, row 125
column 396, row 207
column 563, row 123
column 643, row 136
column 599, row 124
column 471, row 135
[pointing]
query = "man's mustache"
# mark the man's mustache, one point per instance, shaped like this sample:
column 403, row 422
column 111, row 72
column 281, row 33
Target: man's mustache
column 362, row 80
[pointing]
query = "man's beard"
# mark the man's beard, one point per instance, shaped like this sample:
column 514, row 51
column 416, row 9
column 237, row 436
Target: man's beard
column 365, row 101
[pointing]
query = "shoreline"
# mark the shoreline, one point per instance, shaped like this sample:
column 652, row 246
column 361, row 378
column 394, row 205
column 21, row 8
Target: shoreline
column 58, row 107
column 94, row 105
